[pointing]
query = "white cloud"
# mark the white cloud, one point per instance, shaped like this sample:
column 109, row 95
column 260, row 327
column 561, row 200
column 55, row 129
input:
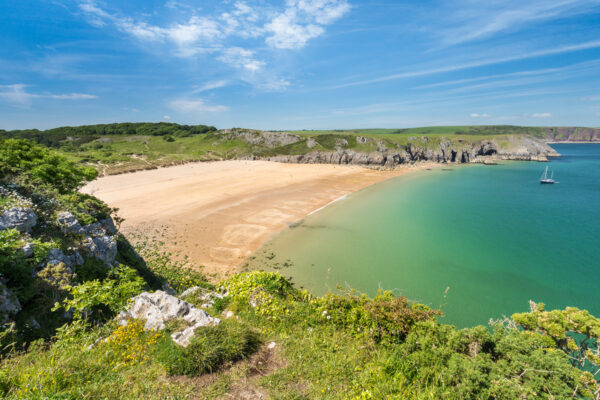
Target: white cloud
column 195, row 105
column 17, row 94
column 477, row 115
column 303, row 20
column 541, row 115
column 73, row 96
column 474, row 64
column 475, row 20
column 211, row 85
column 238, row 57
column 290, row 28
column 166, row 117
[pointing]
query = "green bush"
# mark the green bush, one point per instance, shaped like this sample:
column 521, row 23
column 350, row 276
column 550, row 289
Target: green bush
column 478, row 364
column 210, row 349
column 102, row 299
column 86, row 208
column 27, row 163
column 385, row 317
column 265, row 292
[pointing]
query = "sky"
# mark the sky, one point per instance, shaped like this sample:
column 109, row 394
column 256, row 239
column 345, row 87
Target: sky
column 300, row 64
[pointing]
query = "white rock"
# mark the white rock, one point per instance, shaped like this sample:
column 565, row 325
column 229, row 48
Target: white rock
column 190, row 291
column 22, row 219
column 271, row 345
column 69, row 223
column 104, row 248
column 159, row 307
column 228, row 314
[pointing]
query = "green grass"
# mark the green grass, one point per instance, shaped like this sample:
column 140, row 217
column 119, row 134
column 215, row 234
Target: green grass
column 123, row 152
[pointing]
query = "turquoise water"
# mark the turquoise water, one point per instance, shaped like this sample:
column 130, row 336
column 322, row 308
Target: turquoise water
column 491, row 234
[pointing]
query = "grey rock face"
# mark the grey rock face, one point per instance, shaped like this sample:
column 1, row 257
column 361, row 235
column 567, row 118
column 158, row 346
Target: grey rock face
column 96, row 229
column 22, row 219
column 108, row 225
column 9, row 303
column 103, row 248
column 69, row 223
column 56, row 256
column 159, row 307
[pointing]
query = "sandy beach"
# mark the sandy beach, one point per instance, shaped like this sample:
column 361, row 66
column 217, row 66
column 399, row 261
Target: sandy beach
column 219, row 213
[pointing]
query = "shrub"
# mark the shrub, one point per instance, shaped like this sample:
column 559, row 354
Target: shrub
column 574, row 331
column 86, row 208
column 210, row 349
column 478, row 364
column 385, row 317
column 24, row 161
column 97, row 296
column 265, row 292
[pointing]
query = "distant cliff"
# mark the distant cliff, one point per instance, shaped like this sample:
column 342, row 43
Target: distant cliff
column 571, row 134
column 387, row 152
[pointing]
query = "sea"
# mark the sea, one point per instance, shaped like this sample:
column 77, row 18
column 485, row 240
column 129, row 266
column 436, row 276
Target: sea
column 476, row 241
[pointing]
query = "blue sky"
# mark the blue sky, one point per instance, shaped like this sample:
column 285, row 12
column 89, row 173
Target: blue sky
column 300, row 64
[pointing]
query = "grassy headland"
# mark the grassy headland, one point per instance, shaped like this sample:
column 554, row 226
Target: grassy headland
column 116, row 148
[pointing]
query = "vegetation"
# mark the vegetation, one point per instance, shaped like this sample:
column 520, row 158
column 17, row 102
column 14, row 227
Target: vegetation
column 126, row 147
column 280, row 341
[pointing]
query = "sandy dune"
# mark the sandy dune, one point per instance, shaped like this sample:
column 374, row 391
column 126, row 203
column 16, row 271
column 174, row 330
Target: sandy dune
column 223, row 211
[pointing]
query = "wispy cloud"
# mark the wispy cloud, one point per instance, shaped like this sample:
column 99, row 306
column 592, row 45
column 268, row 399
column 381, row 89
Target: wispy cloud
column 18, row 95
column 195, row 106
column 474, row 64
column 474, row 20
column 211, row 86
column 239, row 57
column 73, row 96
column 477, row 115
column 540, row 115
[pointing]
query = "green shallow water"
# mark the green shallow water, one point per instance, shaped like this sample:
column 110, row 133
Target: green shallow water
column 491, row 234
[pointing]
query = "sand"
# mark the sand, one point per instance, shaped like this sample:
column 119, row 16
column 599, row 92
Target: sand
column 219, row 213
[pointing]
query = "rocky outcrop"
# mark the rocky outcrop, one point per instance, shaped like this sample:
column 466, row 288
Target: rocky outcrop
column 159, row 307
column 260, row 138
column 22, row 219
column 9, row 304
column 104, row 248
column 520, row 148
column 56, row 257
column 69, row 224
column 98, row 242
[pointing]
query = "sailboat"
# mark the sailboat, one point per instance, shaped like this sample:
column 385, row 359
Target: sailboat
column 544, row 178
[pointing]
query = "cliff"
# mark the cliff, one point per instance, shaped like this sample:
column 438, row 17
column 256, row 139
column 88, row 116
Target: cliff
column 388, row 153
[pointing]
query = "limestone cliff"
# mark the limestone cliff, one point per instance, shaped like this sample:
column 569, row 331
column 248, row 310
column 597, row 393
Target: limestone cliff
column 373, row 151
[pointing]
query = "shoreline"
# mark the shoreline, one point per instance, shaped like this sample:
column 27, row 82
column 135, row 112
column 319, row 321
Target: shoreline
column 575, row 142
column 218, row 214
